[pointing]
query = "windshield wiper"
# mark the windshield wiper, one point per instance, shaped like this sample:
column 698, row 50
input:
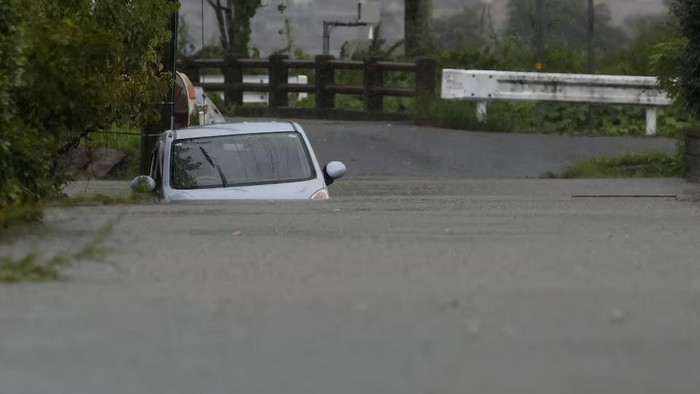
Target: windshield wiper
column 215, row 165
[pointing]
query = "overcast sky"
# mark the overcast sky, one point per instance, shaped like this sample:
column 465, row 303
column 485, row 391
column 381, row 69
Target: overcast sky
column 307, row 16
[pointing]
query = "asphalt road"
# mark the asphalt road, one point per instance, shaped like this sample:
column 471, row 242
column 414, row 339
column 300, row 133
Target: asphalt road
column 403, row 149
column 395, row 286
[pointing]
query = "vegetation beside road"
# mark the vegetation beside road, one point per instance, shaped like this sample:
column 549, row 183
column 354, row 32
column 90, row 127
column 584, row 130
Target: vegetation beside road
column 69, row 69
column 36, row 267
column 570, row 119
column 634, row 165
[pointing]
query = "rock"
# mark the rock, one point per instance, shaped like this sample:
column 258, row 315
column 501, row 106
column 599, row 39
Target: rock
column 75, row 159
column 103, row 160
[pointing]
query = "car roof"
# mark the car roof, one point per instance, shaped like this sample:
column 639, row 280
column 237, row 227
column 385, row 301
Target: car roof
column 220, row 129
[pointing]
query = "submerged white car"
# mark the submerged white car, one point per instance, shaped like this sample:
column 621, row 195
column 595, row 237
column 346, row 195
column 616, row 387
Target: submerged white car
column 251, row 160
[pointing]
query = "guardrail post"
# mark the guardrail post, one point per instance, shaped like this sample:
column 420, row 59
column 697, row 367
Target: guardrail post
column 325, row 75
column 278, row 74
column 425, row 83
column 373, row 77
column 482, row 111
column 651, row 120
column 233, row 74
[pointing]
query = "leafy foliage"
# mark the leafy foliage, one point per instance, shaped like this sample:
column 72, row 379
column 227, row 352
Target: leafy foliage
column 35, row 267
column 66, row 69
column 634, row 165
column 93, row 62
column 418, row 40
column 564, row 22
column 19, row 172
column 470, row 28
column 233, row 19
column 688, row 14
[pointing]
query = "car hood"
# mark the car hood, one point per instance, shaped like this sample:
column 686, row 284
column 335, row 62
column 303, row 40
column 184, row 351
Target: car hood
column 276, row 191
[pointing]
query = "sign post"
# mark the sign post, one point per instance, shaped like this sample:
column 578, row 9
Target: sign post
column 368, row 13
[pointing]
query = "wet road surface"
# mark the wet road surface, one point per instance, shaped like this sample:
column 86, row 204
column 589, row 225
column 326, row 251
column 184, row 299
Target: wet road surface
column 395, row 286
column 404, row 149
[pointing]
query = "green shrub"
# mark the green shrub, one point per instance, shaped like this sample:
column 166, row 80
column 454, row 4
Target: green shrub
column 688, row 14
column 634, row 165
column 68, row 69
column 461, row 114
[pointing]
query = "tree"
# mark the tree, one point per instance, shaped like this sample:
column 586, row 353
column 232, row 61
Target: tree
column 688, row 14
column 93, row 62
column 564, row 22
column 418, row 39
column 70, row 68
column 468, row 29
column 19, row 172
column 233, row 18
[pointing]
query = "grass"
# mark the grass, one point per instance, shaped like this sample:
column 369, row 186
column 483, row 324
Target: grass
column 611, row 120
column 15, row 215
column 35, row 267
column 461, row 115
column 26, row 269
column 116, row 137
column 633, row 165
column 101, row 199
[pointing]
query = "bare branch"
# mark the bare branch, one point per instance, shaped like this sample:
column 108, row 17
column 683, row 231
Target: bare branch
column 230, row 28
column 217, row 7
column 219, row 12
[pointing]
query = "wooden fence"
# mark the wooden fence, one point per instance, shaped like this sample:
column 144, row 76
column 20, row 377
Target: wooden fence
column 323, row 87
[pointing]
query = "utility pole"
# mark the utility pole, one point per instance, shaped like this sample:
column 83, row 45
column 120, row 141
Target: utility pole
column 591, row 32
column 149, row 134
column 538, row 57
column 591, row 60
column 538, row 36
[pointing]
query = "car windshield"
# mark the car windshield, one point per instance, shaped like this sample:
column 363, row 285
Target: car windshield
column 236, row 160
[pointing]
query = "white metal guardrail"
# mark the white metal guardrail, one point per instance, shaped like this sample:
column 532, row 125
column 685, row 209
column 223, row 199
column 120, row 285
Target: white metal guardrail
column 484, row 86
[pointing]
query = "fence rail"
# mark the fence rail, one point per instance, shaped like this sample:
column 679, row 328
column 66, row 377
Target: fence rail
column 324, row 85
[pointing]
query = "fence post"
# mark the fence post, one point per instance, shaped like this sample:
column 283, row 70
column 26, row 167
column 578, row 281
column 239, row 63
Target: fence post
column 425, row 83
column 233, row 74
column 373, row 77
column 325, row 76
column 278, row 75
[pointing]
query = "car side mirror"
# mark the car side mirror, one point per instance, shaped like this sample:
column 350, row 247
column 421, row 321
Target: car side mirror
column 143, row 184
column 333, row 170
